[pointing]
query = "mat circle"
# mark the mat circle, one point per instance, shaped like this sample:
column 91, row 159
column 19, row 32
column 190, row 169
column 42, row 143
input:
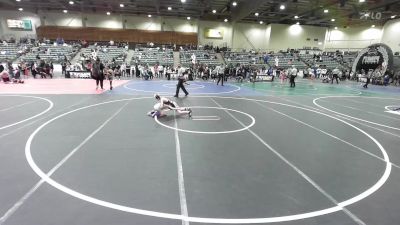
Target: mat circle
column 339, row 206
column 51, row 104
column 127, row 86
column 253, row 121
column 192, row 86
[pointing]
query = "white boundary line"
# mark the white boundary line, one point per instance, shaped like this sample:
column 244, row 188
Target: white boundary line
column 355, row 118
column 16, row 206
column 392, row 111
column 253, row 121
column 388, row 107
column 193, row 86
column 47, row 116
column 283, row 92
column 354, row 121
column 126, row 86
column 16, row 106
column 205, row 119
column 295, row 168
column 365, row 111
column 181, row 181
column 51, row 104
column 99, row 202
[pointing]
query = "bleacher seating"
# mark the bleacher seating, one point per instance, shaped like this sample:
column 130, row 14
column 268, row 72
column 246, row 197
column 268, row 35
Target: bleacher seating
column 288, row 60
column 153, row 56
column 348, row 59
column 202, row 56
column 107, row 54
column 244, row 58
column 50, row 53
column 11, row 51
column 328, row 61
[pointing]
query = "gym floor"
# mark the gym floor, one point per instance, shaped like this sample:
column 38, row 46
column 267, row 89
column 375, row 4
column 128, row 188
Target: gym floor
column 252, row 153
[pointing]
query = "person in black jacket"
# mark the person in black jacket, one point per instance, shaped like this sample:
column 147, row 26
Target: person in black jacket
column 97, row 73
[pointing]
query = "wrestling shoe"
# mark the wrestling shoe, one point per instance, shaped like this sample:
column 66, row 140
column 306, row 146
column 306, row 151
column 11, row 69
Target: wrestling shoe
column 190, row 113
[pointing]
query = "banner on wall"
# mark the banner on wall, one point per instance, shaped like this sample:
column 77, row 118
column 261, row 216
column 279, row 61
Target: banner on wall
column 376, row 56
column 19, row 24
column 214, row 33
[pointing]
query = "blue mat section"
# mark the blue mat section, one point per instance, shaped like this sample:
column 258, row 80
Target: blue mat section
column 303, row 87
column 140, row 87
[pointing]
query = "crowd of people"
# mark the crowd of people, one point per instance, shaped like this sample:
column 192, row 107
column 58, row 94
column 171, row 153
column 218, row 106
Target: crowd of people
column 256, row 63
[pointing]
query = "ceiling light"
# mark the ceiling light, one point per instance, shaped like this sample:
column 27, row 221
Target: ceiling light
column 169, row 8
column 361, row 0
column 256, row 14
column 121, row 5
column 183, row 1
column 234, row 3
column 214, row 11
column 282, row 7
column 335, row 28
column 188, row 18
column 108, row 13
column 261, row 22
column 225, row 20
column 392, row 17
column 298, row 23
column 373, row 26
column 333, row 20
column 71, row 2
column 149, row 15
column 326, row 10
column 20, row 9
column 296, row 17
column 65, row 11
column 18, row 0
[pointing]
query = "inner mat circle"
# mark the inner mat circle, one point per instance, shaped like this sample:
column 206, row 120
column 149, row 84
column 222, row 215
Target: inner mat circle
column 147, row 87
column 192, row 86
column 253, row 121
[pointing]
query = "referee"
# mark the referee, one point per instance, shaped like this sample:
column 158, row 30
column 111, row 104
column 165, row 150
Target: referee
column 181, row 80
column 335, row 75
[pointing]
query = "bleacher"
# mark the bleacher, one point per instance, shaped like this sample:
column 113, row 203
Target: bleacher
column 11, row 51
column 51, row 53
column 328, row 61
column 348, row 59
column 152, row 56
column 202, row 57
column 244, row 58
column 107, row 54
column 288, row 60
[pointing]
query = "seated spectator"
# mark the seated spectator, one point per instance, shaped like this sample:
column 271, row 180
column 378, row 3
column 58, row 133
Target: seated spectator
column 5, row 76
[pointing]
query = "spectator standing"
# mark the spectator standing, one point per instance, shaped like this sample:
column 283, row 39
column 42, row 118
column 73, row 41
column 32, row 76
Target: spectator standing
column 109, row 74
column 123, row 70
column 97, row 73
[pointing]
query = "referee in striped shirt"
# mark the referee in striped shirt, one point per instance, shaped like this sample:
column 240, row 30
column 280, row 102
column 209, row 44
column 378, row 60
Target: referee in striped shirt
column 181, row 81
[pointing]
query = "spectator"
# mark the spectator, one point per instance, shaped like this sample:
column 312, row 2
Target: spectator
column 97, row 73
column 5, row 77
